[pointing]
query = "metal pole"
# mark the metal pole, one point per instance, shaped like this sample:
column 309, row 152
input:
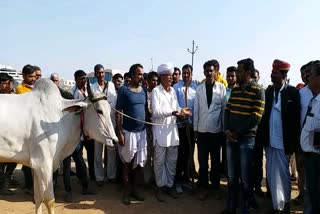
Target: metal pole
column 192, row 52
column 188, row 128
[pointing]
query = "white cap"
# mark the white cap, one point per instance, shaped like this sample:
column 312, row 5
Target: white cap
column 165, row 68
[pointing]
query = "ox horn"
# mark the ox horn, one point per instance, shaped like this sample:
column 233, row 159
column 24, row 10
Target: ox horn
column 89, row 90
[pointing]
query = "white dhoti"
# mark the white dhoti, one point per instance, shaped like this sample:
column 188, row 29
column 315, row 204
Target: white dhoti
column 165, row 162
column 278, row 176
column 135, row 147
column 109, row 170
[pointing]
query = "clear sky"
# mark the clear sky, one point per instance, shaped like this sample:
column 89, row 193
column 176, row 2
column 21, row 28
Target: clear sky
column 63, row 36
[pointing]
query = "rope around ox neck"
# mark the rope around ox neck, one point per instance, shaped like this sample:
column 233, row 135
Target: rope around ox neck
column 149, row 123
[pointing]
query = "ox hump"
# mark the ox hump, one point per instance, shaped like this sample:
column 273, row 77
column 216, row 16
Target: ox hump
column 47, row 87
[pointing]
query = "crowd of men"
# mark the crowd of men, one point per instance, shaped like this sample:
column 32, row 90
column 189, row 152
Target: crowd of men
column 159, row 118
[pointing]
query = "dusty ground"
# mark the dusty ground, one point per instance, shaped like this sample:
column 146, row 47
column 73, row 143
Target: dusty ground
column 108, row 201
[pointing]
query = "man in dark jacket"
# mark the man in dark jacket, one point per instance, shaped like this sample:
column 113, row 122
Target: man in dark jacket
column 280, row 126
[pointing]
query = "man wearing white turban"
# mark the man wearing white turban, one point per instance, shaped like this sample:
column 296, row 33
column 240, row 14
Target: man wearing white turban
column 165, row 109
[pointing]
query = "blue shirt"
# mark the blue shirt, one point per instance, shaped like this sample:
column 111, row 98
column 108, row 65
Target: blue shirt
column 134, row 105
column 228, row 93
column 180, row 88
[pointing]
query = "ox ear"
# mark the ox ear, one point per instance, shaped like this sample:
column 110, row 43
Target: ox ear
column 75, row 107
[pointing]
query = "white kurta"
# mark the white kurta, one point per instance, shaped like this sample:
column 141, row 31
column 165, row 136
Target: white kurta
column 165, row 137
column 163, row 104
column 77, row 94
column 278, row 174
column 110, row 168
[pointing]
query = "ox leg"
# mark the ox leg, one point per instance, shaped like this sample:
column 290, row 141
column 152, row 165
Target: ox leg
column 38, row 196
column 45, row 194
column 49, row 199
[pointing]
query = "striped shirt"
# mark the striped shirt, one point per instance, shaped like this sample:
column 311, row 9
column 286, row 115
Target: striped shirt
column 244, row 109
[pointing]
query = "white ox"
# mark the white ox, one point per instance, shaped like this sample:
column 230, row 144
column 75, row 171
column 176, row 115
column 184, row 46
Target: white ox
column 40, row 128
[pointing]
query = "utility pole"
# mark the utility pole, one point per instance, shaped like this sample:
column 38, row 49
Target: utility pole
column 151, row 62
column 193, row 51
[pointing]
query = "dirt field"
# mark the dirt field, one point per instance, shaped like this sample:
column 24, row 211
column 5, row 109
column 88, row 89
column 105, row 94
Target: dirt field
column 108, row 200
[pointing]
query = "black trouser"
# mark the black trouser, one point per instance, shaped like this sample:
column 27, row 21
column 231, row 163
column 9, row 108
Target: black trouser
column 6, row 171
column 27, row 177
column 223, row 164
column 257, row 165
column 81, row 168
column 312, row 175
column 10, row 168
column 184, row 155
column 2, row 175
column 209, row 143
column 89, row 145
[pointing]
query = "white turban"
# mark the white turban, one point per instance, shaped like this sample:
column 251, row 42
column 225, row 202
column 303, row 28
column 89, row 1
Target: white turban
column 166, row 68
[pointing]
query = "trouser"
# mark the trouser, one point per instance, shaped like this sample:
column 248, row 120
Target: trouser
column 223, row 164
column 257, row 164
column 300, row 168
column 6, row 171
column 81, row 168
column 184, row 170
column 27, row 177
column 148, row 168
column 109, row 168
column 278, row 176
column 312, row 173
column 165, row 162
column 239, row 159
column 89, row 146
column 10, row 168
column 209, row 143
column 110, row 158
column 2, row 175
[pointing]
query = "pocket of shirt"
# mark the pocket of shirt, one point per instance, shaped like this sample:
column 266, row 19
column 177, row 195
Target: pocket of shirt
column 316, row 123
column 309, row 125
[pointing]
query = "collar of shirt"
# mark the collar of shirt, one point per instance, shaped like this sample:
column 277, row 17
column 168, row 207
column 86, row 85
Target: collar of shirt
column 210, row 84
column 27, row 85
column 162, row 88
column 77, row 94
column 181, row 84
column 317, row 98
column 97, row 88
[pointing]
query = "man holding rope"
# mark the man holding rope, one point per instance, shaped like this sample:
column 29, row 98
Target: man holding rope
column 131, row 131
column 165, row 109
